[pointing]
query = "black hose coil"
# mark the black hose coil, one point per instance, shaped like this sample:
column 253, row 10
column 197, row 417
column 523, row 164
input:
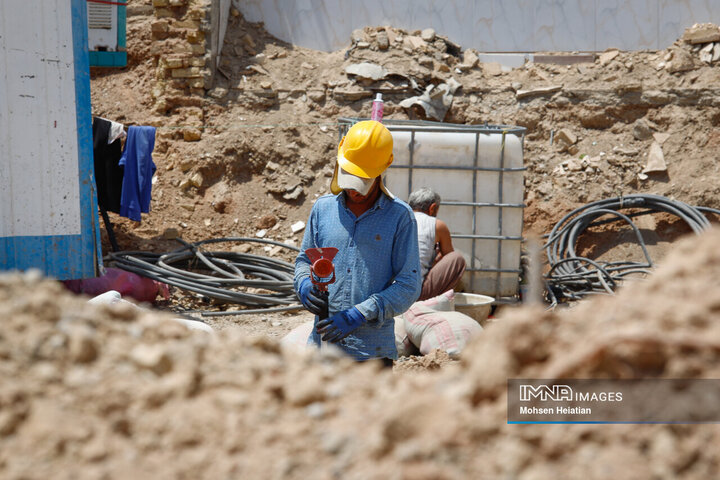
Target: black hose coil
column 571, row 277
column 220, row 274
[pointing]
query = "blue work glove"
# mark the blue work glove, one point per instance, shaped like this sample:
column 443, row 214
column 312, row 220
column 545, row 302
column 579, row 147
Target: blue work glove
column 311, row 298
column 340, row 325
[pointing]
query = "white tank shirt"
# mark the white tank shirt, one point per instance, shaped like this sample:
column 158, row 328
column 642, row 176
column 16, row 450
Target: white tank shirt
column 426, row 240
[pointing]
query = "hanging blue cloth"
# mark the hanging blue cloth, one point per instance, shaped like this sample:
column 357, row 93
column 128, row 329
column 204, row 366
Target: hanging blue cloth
column 139, row 169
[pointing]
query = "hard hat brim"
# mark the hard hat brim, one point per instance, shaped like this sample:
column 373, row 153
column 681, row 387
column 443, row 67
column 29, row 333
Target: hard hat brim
column 347, row 181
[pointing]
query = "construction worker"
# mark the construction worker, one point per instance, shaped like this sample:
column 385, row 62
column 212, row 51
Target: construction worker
column 377, row 267
column 442, row 267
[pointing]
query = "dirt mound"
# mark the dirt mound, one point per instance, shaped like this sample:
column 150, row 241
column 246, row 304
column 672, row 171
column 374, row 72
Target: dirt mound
column 107, row 392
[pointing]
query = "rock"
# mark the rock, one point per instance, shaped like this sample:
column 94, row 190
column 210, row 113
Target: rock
column 538, row 91
column 573, row 165
column 207, row 222
column 197, row 180
column 371, row 71
column 188, row 206
column 351, row 94
column 295, row 193
column 261, row 233
column 641, row 130
column 218, row 93
column 186, row 164
column 267, row 221
column 383, row 41
column 266, row 85
column 470, row 58
column 414, row 43
column 316, row 96
column 191, row 134
column 567, row 137
column 573, row 149
column 716, row 52
column 702, row 33
column 363, row 44
column 608, row 56
column 428, row 35
column 298, row 226
column 426, row 61
column 656, row 159
column 170, row 233
column 272, row 166
column 706, row 53
column 492, row 68
column 152, row 357
column 682, row 62
column 244, row 248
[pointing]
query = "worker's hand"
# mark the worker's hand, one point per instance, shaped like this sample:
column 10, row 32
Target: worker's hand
column 340, row 325
column 312, row 299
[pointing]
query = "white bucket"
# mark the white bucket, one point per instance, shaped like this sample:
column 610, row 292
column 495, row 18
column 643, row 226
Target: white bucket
column 473, row 305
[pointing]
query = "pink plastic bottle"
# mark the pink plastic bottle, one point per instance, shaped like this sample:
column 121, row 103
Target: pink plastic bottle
column 377, row 108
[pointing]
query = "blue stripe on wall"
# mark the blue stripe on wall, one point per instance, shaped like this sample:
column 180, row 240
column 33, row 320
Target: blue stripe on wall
column 57, row 256
column 91, row 253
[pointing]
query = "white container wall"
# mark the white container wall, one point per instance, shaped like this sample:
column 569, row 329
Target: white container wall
column 47, row 203
column 478, row 172
column 489, row 25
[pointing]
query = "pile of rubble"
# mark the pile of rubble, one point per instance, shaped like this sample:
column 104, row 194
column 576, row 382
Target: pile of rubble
column 113, row 392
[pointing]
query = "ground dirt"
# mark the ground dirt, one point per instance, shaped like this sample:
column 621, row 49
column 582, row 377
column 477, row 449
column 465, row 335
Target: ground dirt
column 106, row 392
column 114, row 392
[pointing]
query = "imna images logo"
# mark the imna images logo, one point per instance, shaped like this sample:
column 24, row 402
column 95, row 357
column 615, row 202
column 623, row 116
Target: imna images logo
column 544, row 393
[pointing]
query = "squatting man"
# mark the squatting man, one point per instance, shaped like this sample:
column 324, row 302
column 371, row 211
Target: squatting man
column 377, row 266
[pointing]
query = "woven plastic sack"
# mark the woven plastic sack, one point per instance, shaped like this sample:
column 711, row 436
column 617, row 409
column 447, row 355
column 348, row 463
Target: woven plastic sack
column 429, row 329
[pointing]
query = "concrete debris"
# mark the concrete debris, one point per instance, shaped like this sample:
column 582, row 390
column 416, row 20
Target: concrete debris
column 197, row 180
column 470, row 58
column 414, row 43
column 567, row 137
column 607, row 57
column 706, row 53
column 428, row 35
column 661, row 137
column 656, row 159
column 383, row 42
column 436, row 100
column 702, row 33
column 351, row 94
column 298, row 226
column 682, row 62
column 641, row 130
column 218, row 93
column 294, row 193
column 492, row 68
column 538, row 91
column 371, row 71
column 628, row 152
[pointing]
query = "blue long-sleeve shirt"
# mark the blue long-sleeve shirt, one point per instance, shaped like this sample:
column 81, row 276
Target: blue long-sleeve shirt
column 377, row 267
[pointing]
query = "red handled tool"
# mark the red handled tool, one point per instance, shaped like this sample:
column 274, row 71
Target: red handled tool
column 322, row 270
column 321, row 266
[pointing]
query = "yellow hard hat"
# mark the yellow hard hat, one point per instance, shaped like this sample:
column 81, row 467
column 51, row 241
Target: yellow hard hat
column 366, row 150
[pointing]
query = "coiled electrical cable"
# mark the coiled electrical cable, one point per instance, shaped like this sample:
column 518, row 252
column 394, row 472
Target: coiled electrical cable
column 262, row 283
column 571, row 277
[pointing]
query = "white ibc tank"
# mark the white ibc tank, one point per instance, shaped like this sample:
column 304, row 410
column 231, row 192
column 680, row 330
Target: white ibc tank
column 478, row 172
